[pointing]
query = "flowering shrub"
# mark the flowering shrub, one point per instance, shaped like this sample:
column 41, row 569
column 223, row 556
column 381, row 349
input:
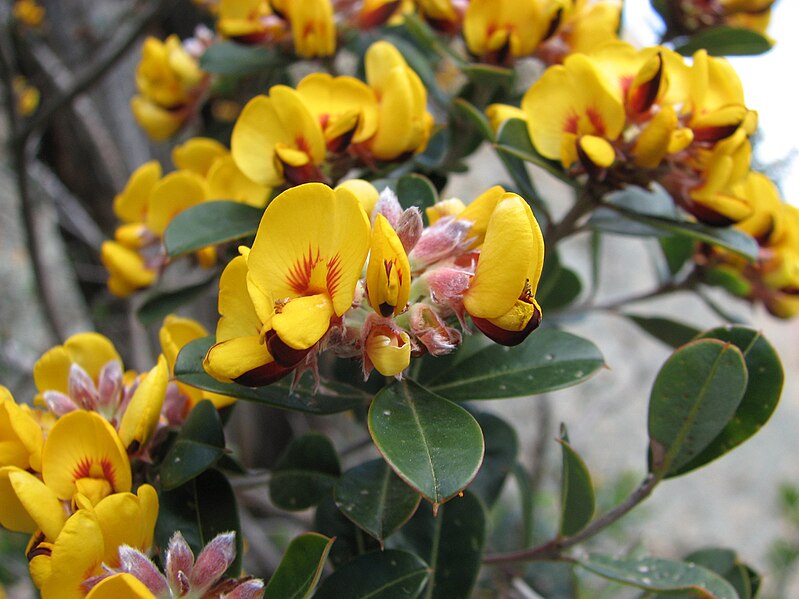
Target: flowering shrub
column 316, row 206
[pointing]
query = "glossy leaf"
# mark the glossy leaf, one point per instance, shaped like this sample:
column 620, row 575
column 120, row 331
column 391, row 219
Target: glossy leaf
column 331, row 397
column 350, row 540
column 577, row 499
column 726, row 564
column 305, row 473
column 559, row 285
column 514, row 139
column 661, row 575
column 726, row 41
column 452, row 542
column 433, row 444
column 201, row 509
column 300, row 568
column 548, row 360
column 198, row 446
column 375, row 498
column 230, row 58
column 416, row 190
column 695, row 395
column 390, row 574
column 162, row 302
column 210, row 223
column 670, row 332
column 763, row 390
column 502, row 447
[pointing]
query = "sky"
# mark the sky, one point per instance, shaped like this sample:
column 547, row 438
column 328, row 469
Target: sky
column 771, row 87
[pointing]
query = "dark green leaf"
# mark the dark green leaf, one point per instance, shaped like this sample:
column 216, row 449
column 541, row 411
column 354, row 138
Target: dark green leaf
column 474, row 116
column 552, row 580
column 162, row 302
column 305, row 473
column 375, row 498
column 695, row 394
column 350, row 540
column 728, row 278
column 299, row 570
column 416, row 190
column 661, row 575
column 452, row 542
column 210, row 223
column 725, row 563
column 548, row 360
column 670, row 332
column 197, row 447
column 488, row 81
column 502, row 446
column 390, row 574
column 431, row 443
column 559, row 285
column 331, row 397
column 646, row 202
column 661, row 7
column 677, row 250
column 514, row 139
column 760, row 399
column 726, row 41
column 201, row 509
column 577, row 500
column 230, row 58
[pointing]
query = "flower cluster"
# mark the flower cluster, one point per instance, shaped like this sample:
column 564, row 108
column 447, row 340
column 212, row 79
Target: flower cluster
column 206, row 172
column 69, row 467
column 689, row 16
column 306, row 286
column 627, row 116
column 329, row 124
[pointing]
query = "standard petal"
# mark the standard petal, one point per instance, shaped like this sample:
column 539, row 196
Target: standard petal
column 131, row 205
column 171, row 195
column 198, row 154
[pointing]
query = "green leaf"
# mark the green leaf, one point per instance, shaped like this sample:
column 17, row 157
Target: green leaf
column 661, row 575
column 433, row 444
column 502, row 446
column 559, row 285
column 375, row 498
column 725, row 563
column 670, row 332
column 763, row 390
column 230, row 58
column 162, row 302
column 728, row 278
column 201, row 509
column 488, row 81
column 198, row 445
column 210, row 223
column 416, row 190
column 452, row 542
column 331, row 397
column 695, row 394
column 305, row 473
column 548, row 360
column 301, row 567
column 726, row 41
column 470, row 113
column 577, row 500
column 677, row 250
column 390, row 574
column 350, row 540
column 553, row 580
column 514, row 139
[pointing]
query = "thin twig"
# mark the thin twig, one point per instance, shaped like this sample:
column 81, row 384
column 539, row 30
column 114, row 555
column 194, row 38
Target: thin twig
column 552, row 549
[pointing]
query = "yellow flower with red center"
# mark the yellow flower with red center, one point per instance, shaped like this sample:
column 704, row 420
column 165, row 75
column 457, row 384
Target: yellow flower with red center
column 388, row 276
column 312, row 27
column 249, row 21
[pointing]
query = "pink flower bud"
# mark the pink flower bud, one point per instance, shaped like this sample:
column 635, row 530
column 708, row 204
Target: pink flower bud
column 81, row 388
column 212, row 562
column 409, row 228
column 109, row 385
column 139, row 565
column 388, row 205
column 179, row 563
column 59, row 403
column 249, row 589
column 439, row 241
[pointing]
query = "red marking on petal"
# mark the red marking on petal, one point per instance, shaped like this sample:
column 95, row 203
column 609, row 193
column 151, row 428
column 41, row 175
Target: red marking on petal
column 333, row 278
column 596, row 121
column 570, row 126
column 299, row 275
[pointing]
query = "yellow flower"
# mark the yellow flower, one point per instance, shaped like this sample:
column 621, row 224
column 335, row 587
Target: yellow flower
column 388, row 350
column 501, row 295
column 403, row 124
column 276, row 138
column 584, row 26
column 28, row 12
column 21, row 436
column 197, row 154
column 366, row 193
column 388, row 276
column 569, row 103
column 26, row 96
column 131, row 205
column 248, row 20
column 345, row 107
column 127, row 271
column 142, row 413
column 312, row 27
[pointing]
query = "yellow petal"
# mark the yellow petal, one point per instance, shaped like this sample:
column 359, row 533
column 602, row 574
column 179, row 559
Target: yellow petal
column 83, row 445
column 126, row 268
column 313, row 28
column 131, row 205
column 198, row 154
column 21, row 436
column 654, row 141
column 332, row 98
column 37, row 500
column 499, row 113
column 120, row 585
column 597, row 150
column 311, row 240
column 171, row 195
column 159, row 123
column 141, row 415
column 448, row 207
column 13, row 515
column 238, row 315
column 362, row 189
column 388, row 276
column 303, row 321
column 389, row 354
column 227, row 182
column 91, row 351
column 479, row 211
column 230, row 359
column 176, row 332
column 127, row 519
column 510, row 262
